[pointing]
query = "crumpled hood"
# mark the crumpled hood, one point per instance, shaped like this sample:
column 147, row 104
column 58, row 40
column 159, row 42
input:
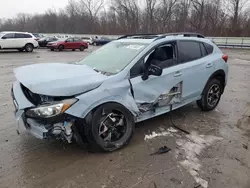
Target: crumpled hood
column 59, row 79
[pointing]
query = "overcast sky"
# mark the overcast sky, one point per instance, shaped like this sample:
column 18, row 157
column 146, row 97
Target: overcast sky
column 10, row 8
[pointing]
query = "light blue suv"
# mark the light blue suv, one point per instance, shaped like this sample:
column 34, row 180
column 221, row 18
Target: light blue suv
column 97, row 101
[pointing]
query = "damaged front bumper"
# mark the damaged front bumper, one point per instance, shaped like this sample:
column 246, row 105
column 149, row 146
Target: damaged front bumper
column 58, row 126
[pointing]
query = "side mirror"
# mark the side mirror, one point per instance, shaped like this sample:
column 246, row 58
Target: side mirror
column 155, row 70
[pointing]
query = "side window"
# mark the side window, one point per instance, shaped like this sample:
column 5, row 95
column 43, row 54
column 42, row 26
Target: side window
column 77, row 39
column 69, row 40
column 188, row 51
column 18, row 35
column 209, row 48
column 203, row 50
column 9, row 36
column 162, row 56
column 22, row 35
column 27, row 36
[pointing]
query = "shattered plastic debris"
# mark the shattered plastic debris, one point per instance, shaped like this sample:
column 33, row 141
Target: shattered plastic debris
column 161, row 150
column 193, row 147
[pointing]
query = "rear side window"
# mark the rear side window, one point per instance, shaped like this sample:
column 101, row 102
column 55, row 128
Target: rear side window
column 209, row 48
column 203, row 50
column 188, row 51
column 22, row 35
column 77, row 40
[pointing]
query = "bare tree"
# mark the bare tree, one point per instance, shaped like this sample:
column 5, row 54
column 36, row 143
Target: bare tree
column 209, row 17
column 235, row 8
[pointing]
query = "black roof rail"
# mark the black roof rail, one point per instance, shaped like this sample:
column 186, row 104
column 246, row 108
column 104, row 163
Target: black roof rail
column 185, row 34
column 140, row 36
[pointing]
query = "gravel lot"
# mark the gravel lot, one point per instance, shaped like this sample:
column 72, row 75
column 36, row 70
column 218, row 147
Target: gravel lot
column 216, row 154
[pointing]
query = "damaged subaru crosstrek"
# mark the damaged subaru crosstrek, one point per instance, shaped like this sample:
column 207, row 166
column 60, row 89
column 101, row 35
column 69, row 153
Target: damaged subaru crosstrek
column 97, row 101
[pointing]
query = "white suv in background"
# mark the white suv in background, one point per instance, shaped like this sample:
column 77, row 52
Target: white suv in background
column 18, row 40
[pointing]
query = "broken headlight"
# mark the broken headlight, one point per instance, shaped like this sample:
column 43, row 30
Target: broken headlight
column 50, row 110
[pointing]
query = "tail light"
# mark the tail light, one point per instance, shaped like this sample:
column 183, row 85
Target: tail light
column 225, row 58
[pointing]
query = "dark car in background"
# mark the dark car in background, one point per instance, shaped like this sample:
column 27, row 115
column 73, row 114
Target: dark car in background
column 101, row 41
column 69, row 43
column 44, row 41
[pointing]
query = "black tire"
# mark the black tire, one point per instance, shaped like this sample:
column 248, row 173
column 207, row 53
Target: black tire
column 20, row 49
column 52, row 50
column 209, row 100
column 95, row 142
column 29, row 47
column 82, row 48
column 95, row 44
column 61, row 47
column 73, row 49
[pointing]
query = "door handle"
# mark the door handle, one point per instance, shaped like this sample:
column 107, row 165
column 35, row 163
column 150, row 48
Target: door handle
column 177, row 74
column 209, row 65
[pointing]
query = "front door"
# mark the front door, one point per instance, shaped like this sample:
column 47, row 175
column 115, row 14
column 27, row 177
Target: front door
column 7, row 41
column 69, row 44
column 153, row 94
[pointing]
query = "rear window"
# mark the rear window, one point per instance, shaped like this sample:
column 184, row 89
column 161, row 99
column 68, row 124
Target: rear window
column 209, row 48
column 188, row 51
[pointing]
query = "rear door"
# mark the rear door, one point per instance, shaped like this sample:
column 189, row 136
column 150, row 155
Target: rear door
column 77, row 43
column 21, row 39
column 192, row 58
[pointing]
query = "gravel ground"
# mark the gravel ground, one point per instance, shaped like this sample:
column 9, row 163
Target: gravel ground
column 216, row 154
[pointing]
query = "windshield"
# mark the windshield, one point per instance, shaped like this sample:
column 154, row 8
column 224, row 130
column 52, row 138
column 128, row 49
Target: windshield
column 2, row 34
column 113, row 57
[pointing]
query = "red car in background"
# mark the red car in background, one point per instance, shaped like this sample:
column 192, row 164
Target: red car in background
column 69, row 43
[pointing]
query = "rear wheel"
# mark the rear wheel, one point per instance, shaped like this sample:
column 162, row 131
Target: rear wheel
column 110, row 128
column 82, row 48
column 61, row 47
column 51, row 49
column 73, row 49
column 211, row 95
column 29, row 48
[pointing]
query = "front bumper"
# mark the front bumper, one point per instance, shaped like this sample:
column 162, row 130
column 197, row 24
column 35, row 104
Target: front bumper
column 31, row 126
column 44, row 128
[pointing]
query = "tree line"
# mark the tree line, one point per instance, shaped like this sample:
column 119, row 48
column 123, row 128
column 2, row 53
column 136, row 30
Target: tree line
column 209, row 17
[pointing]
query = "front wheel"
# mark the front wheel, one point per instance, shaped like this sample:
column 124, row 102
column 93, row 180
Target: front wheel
column 61, row 47
column 29, row 48
column 211, row 95
column 110, row 128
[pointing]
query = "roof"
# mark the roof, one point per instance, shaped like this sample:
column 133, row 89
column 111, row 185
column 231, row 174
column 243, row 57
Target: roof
column 14, row 32
column 149, row 38
column 132, row 40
